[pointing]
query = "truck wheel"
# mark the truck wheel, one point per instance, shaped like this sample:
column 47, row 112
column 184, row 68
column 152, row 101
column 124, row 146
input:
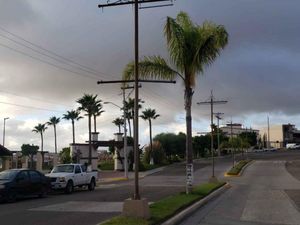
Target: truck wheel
column 69, row 188
column 92, row 185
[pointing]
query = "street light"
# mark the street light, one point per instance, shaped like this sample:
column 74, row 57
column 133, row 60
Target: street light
column 6, row 118
column 125, row 135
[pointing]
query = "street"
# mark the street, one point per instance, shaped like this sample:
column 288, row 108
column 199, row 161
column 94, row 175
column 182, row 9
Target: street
column 267, row 178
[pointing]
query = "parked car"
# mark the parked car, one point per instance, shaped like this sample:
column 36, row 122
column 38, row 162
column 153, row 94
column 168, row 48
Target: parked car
column 67, row 176
column 17, row 183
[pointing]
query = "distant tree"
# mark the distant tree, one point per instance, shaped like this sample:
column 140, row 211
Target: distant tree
column 97, row 111
column 29, row 150
column 157, row 153
column 149, row 115
column 41, row 128
column 250, row 137
column 88, row 103
column 65, row 155
column 129, row 111
column 73, row 115
column 264, row 140
column 53, row 121
column 172, row 144
column 201, row 144
column 118, row 122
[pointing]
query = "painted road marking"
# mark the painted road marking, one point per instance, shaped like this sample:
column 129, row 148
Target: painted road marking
column 82, row 206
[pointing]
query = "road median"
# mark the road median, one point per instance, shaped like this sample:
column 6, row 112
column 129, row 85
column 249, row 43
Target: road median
column 238, row 169
column 175, row 208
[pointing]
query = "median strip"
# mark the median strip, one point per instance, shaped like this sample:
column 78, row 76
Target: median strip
column 237, row 170
column 170, row 206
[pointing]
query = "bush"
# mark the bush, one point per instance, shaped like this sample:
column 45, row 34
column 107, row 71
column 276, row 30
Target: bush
column 158, row 154
column 106, row 165
column 238, row 167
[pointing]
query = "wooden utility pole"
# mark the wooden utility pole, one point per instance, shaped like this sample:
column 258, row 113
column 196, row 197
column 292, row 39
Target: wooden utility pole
column 218, row 116
column 211, row 102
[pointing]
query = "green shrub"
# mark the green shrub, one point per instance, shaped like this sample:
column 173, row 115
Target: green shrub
column 158, row 153
column 106, row 165
column 238, row 167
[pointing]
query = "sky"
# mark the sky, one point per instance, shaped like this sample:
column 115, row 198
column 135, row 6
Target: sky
column 257, row 72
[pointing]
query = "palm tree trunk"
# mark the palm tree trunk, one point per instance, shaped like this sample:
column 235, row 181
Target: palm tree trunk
column 189, row 148
column 95, row 128
column 73, row 129
column 55, row 141
column 129, row 126
column 90, row 139
column 119, row 128
column 42, row 148
column 151, row 147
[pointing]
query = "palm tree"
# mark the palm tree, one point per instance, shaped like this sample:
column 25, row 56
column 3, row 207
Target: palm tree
column 149, row 114
column 97, row 111
column 191, row 48
column 129, row 111
column 88, row 103
column 53, row 121
column 40, row 128
column 72, row 115
column 118, row 122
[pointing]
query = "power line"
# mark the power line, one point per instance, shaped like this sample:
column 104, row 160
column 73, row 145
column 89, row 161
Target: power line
column 46, row 62
column 31, row 107
column 91, row 70
column 33, row 98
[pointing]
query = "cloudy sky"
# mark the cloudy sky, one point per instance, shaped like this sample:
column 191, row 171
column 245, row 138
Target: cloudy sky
column 258, row 72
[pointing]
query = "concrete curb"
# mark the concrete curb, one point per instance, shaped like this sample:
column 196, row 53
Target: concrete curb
column 241, row 172
column 191, row 209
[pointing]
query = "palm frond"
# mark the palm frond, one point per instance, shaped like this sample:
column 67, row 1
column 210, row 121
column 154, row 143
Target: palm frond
column 154, row 67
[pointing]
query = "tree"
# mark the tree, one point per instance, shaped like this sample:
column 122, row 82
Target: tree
column 65, row 155
column 97, row 111
column 191, row 48
column 73, row 115
column 129, row 111
column 172, row 144
column 41, row 128
column 53, row 121
column 29, row 150
column 250, row 137
column 87, row 104
column 149, row 114
column 157, row 153
column 118, row 122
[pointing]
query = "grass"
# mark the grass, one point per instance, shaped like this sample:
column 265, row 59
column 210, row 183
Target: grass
column 166, row 208
column 238, row 167
column 106, row 165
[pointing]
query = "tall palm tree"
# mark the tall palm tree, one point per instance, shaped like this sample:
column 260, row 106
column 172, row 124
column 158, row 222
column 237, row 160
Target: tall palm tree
column 87, row 103
column 118, row 122
column 129, row 107
column 41, row 128
column 149, row 114
column 72, row 115
column 191, row 48
column 97, row 111
column 53, row 121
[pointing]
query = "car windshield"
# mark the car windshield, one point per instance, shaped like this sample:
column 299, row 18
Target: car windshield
column 63, row 169
column 8, row 174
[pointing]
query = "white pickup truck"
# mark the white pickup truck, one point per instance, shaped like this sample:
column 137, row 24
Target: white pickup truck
column 68, row 176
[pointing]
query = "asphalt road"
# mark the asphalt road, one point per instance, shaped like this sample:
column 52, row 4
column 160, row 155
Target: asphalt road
column 89, row 208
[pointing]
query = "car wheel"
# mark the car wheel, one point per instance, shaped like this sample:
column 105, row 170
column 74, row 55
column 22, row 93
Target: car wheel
column 11, row 197
column 69, row 188
column 92, row 185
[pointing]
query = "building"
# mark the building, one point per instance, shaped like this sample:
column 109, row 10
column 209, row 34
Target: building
column 235, row 129
column 5, row 158
column 280, row 135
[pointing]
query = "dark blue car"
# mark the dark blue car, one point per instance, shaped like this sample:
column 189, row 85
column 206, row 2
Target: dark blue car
column 17, row 183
